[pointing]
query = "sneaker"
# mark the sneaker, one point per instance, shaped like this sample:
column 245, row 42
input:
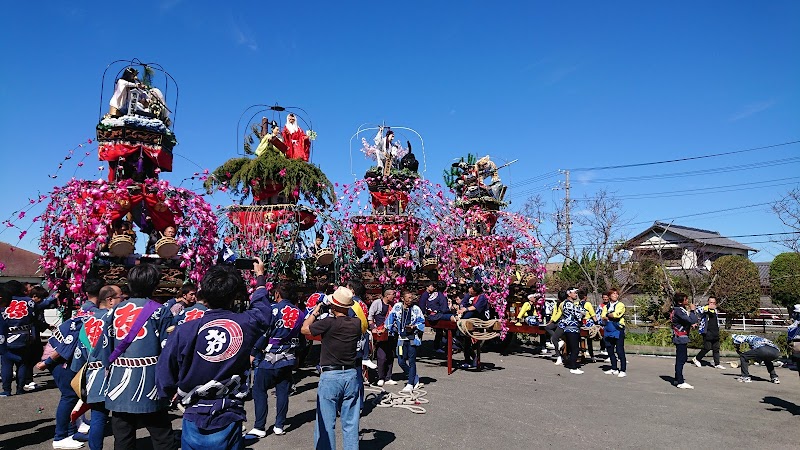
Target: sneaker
column 607, row 360
column 380, row 383
column 776, row 380
column 549, row 345
column 560, row 344
column 612, row 372
column 685, row 385
column 5, row 394
column 277, row 431
column 778, row 363
column 67, row 443
column 391, row 382
column 592, row 359
column 622, row 375
column 576, row 371
column 603, row 353
column 255, row 432
column 559, row 362
column 697, row 362
column 29, row 387
column 369, row 363
column 720, row 367
column 744, row 379
column 544, row 351
column 408, row 388
column 417, row 386
column 83, row 428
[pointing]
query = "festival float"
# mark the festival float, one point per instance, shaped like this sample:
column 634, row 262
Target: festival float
column 280, row 198
column 91, row 227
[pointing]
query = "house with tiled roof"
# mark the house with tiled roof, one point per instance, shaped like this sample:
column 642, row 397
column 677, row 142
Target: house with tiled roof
column 682, row 247
column 21, row 265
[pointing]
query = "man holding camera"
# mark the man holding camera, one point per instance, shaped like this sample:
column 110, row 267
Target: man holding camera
column 339, row 382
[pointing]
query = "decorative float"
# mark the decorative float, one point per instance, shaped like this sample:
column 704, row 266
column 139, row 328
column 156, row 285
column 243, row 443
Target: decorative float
column 90, row 227
column 286, row 221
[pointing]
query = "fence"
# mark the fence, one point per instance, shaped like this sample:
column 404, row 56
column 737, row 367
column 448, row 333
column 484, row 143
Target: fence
column 771, row 319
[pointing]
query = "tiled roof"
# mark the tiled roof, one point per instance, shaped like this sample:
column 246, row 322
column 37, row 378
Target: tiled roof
column 19, row 263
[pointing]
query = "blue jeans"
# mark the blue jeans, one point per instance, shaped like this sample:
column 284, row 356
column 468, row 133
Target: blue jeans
column 64, row 427
column 615, row 346
column 7, row 369
column 681, row 355
column 266, row 379
column 337, row 392
column 407, row 360
column 97, row 424
column 228, row 438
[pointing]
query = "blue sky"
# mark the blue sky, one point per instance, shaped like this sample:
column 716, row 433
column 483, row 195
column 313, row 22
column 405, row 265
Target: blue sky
column 555, row 85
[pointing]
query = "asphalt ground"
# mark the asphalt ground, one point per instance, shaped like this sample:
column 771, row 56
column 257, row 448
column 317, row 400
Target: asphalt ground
column 520, row 401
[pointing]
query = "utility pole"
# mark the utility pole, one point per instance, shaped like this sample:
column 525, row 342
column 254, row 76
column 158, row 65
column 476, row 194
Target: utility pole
column 567, row 219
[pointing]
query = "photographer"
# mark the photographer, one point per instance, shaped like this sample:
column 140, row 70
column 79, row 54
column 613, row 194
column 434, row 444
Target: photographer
column 339, row 382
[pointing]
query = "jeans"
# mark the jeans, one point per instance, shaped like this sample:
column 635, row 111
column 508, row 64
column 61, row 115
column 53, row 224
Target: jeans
column 158, row 424
column 407, row 360
column 337, row 392
column 680, row 359
column 573, row 346
column 615, row 346
column 97, row 425
column 64, row 427
column 709, row 345
column 765, row 354
column 7, row 369
column 385, row 351
column 266, row 379
column 228, row 438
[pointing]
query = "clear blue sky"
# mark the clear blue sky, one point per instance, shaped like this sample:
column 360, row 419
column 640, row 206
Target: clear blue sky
column 557, row 85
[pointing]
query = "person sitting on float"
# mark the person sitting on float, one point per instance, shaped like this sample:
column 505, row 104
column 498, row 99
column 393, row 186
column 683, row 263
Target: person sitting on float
column 266, row 138
column 169, row 232
column 485, row 167
column 297, row 142
column 318, row 240
column 530, row 313
column 426, row 251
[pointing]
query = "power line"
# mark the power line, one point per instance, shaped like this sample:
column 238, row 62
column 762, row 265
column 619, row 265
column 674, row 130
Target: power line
column 711, row 190
column 541, row 177
column 691, row 158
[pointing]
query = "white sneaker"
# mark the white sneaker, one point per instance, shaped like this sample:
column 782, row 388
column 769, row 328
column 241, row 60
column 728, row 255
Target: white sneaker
column 544, row 351
column 549, row 345
column 83, row 428
column 719, row 366
column 622, row 375
column 418, row 385
column 576, row 371
column 257, row 433
column 29, row 387
column 608, row 360
column 560, row 344
column 611, row 372
column 696, row 362
column 67, row 443
column 685, row 385
column 408, row 388
column 603, row 353
column 559, row 362
column 369, row 363
column 277, row 431
column 391, row 382
column 380, row 383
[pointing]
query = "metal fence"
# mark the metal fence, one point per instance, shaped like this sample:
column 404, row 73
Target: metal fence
column 768, row 319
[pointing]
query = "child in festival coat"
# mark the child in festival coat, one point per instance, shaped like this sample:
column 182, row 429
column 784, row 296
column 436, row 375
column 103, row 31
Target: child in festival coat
column 406, row 321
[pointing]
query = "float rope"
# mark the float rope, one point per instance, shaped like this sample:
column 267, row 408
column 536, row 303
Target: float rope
column 407, row 400
column 478, row 324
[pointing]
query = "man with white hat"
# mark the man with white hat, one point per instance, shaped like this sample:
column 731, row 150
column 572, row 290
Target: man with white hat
column 339, row 383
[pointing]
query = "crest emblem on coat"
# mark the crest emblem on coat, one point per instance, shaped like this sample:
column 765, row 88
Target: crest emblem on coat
column 219, row 340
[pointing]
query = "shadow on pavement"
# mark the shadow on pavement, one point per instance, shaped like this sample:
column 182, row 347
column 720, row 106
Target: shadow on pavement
column 668, row 379
column 380, row 438
column 35, row 437
column 781, row 405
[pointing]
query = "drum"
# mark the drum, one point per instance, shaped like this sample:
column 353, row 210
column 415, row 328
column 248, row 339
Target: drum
column 530, row 280
column 380, row 334
column 324, row 257
column 429, row 264
column 167, row 247
column 121, row 245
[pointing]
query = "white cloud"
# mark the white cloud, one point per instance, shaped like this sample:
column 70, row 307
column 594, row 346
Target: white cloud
column 243, row 35
column 753, row 108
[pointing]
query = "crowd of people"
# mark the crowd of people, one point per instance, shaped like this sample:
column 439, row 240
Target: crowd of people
column 127, row 359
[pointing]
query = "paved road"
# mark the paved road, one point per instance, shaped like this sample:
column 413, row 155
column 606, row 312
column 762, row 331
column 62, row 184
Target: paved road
column 525, row 401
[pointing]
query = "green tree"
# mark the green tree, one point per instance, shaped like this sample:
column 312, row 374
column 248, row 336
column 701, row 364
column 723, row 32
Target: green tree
column 784, row 278
column 737, row 286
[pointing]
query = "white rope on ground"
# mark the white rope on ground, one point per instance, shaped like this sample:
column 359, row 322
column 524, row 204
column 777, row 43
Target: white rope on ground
column 407, row 400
